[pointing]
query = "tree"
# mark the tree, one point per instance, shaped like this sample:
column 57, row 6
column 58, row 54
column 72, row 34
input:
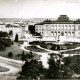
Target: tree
column 37, row 34
column 10, row 54
column 16, row 38
column 3, row 34
column 54, row 71
column 32, row 29
column 11, row 33
column 32, row 69
column 67, row 61
column 57, row 70
column 30, row 54
column 23, row 56
column 75, row 63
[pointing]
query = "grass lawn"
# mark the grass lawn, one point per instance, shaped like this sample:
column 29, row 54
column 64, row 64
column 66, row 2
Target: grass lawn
column 8, row 77
column 64, row 47
column 72, row 46
column 3, row 69
column 35, row 49
column 15, row 49
column 72, row 52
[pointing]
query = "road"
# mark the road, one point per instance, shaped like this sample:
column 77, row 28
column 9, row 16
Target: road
column 14, row 66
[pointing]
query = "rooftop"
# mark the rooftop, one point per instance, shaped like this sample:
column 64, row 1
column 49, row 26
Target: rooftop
column 62, row 19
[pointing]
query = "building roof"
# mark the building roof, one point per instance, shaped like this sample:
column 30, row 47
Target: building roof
column 12, row 25
column 62, row 19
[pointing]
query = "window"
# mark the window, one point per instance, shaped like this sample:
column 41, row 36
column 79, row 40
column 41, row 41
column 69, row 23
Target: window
column 62, row 33
column 72, row 26
column 58, row 27
column 72, row 33
column 41, row 32
column 54, row 27
column 65, row 33
column 79, row 27
column 55, row 33
column 69, row 27
column 65, row 27
column 51, row 27
column 62, row 27
column 58, row 33
column 69, row 34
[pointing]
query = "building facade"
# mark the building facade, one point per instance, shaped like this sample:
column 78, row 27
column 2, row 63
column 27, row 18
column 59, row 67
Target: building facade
column 60, row 27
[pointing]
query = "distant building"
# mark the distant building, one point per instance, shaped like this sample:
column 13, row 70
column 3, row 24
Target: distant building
column 21, row 30
column 62, row 27
column 2, row 28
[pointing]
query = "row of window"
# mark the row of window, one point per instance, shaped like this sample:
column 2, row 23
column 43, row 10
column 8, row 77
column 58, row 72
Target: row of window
column 46, row 26
column 62, row 27
column 62, row 33
column 55, row 28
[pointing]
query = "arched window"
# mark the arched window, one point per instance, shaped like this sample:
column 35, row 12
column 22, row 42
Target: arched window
column 55, row 33
column 62, row 33
column 65, row 33
column 69, row 34
column 72, row 33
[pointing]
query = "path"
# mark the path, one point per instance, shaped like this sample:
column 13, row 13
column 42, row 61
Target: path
column 14, row 66
column 57, row 52
column 12, row 69
column 45, row 56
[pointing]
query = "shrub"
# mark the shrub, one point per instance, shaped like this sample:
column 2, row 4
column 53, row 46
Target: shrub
column 18, row 55
column 10, row 54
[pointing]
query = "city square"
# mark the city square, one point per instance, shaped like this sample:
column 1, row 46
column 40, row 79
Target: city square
column 39, row 39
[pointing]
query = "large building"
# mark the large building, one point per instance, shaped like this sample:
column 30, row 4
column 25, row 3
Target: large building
column 62, row 27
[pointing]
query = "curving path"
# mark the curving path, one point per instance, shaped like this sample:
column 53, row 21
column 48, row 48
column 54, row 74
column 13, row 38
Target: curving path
column 57, row 52
column 14, row 66
column 45, row 56
column 12, row 69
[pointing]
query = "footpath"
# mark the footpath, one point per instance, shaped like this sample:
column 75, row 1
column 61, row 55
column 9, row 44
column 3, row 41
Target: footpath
column 44, row 56
column 14, row 66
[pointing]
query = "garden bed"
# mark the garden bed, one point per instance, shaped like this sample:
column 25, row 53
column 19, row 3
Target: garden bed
column 63, row 47
column 3, row 69
column 35, row 49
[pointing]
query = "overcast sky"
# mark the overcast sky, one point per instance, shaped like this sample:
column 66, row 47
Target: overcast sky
column 39, row 8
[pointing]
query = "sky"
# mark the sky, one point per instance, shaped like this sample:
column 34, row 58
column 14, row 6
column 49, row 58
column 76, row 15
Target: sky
column 39, row 8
